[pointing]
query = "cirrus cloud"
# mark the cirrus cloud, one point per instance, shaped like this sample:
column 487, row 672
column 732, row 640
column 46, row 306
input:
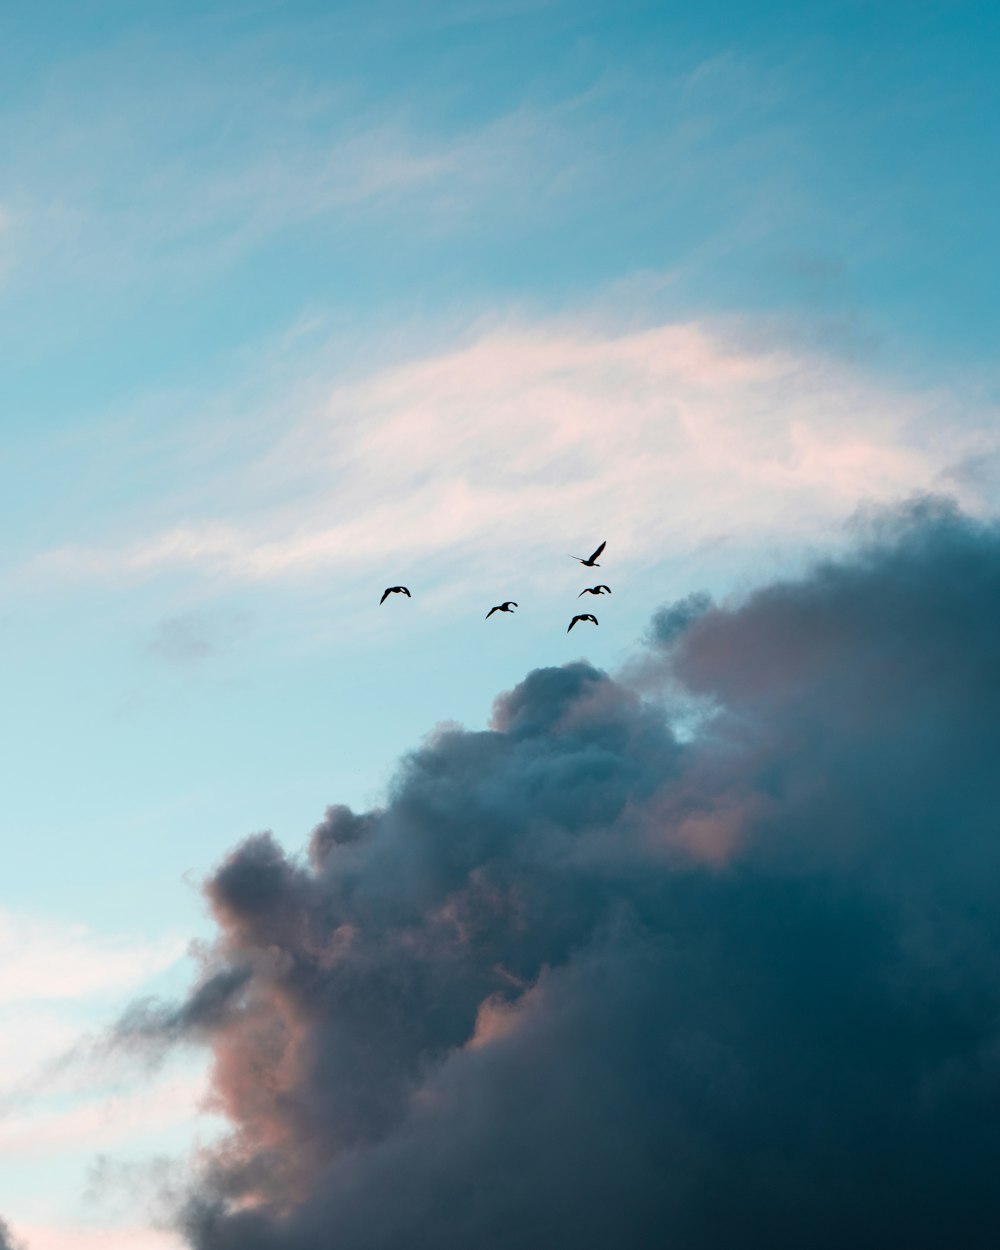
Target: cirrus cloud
column 672, row 435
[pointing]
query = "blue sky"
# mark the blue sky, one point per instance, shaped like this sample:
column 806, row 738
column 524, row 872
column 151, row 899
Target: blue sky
column 301, row 300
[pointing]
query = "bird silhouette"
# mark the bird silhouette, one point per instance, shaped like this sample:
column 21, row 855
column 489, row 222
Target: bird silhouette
column 586, row 616
column 394, row 590
column 596, row 590
column 591, row 561
column 508, row 605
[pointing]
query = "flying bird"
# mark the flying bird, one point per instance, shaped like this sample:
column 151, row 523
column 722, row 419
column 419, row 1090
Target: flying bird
column 508, row 605
column 595, row 590
column 393, row 590
column 591, row 561
column 586, row 616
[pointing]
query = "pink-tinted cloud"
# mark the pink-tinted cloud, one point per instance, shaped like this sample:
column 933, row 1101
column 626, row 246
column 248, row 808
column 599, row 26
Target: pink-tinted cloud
column 75, row 1237
column 671, row 435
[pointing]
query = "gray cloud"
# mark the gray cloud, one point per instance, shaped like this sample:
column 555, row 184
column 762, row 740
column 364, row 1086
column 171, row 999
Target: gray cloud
column 195, row 636
column 583, row 983
column 151, row 1024
column 813, row 267
column 979, row 473
column 674, row 619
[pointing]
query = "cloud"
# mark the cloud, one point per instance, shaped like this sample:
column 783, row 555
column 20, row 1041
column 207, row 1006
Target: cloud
column 152, row 183
column 57, row 1091
column 195, row 636
column 665, row 435
column 148, row 1020
column 47, row 960
column 182, row 639
column 674, row 619
column 100, row 1119
column 197, row 200
column 74, row 1237
column 583, row 981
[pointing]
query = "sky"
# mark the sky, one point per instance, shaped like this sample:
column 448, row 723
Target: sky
column 300, row 301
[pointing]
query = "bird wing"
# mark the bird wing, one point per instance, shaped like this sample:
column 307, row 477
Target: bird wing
column 588, row 591
column 592, row 617
column 510, row 604
column 405, row 591
column 607, row 588
column 491, row 611
column 385, row 595
column 599, row 550
column 573, row 622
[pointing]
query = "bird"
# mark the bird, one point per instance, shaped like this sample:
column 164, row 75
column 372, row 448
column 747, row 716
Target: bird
column 596, row 590
column 591, row 561
column 586, row 616
column 393, row 590
column 508, row 605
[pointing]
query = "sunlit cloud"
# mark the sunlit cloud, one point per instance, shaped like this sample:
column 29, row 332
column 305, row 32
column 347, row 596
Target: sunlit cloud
column 77, row 1237
column 668, row 436
column 101, row 1119
column 43, row 960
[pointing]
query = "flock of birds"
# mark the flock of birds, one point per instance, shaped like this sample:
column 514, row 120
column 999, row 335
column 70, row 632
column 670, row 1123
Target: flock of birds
column 509, row 605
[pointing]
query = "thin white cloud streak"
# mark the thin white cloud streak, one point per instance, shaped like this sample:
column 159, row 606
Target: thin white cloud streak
column 54, row 976
column 139, row 181
column 184, row 222
column 103, row 1120
column 538, row 436
column 38, row 1034
column 70, row 1237
column 41, row 960
column 121, row 178
column 90, row 1108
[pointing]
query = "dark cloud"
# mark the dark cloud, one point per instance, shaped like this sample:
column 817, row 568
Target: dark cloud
column 339, row 826
column 150, row 1023
column 674, row 619
column 584, row 983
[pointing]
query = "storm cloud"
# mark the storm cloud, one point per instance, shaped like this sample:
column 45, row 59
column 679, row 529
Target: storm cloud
column 585, row 980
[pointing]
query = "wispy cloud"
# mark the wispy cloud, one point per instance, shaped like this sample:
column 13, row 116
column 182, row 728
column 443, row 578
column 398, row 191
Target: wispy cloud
column 43, row 960
column 101, row 1119
column 663, row 435
column 139, row 182
column 192, row 637
column 55, row 977
column 184, row 219
column 77, row 1237
column 60, row 1100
